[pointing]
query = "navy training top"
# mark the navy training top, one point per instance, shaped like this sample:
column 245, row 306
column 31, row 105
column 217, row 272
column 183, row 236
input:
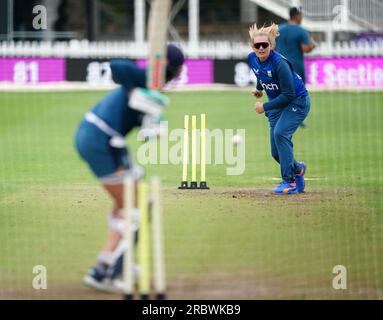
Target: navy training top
column 114, row 108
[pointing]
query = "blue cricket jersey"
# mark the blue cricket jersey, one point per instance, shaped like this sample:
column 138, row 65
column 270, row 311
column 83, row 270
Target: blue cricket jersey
column 277, row 77
column 114, row 108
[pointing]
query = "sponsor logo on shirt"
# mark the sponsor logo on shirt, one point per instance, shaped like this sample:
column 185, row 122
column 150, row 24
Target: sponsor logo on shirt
column 269, row 86
column 256, row 71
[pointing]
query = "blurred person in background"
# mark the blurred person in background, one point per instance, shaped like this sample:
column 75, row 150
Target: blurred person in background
column 294, row 41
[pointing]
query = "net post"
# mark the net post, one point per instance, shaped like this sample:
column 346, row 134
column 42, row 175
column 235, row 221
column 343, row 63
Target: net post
column 159, row 283
column 129, row 253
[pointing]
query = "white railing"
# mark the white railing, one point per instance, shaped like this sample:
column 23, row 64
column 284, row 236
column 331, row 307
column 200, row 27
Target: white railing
column 206, row 49
column 86, row 49
column 349, row 49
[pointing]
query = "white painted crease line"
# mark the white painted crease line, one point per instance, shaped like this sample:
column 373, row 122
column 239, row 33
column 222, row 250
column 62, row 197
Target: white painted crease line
column 306, row 178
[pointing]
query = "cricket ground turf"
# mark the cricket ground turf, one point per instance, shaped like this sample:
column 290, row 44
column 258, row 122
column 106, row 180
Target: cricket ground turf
column 235, row 241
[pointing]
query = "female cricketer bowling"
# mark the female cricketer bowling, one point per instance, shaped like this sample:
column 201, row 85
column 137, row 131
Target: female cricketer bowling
column 100, row 142
column 287, row 106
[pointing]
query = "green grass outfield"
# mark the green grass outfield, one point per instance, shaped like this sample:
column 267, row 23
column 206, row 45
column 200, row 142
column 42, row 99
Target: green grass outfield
column 234, row 241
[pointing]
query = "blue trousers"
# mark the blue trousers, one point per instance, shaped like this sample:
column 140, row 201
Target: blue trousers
column 283, row 124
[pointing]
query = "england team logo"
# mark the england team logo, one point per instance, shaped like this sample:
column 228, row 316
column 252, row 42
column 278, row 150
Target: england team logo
column 269, row 73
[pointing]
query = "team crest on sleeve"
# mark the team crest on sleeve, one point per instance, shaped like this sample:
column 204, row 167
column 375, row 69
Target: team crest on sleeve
column 269, row 73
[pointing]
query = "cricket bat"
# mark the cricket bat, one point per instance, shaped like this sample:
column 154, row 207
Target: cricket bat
column 149, row 100
column 157, row 37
